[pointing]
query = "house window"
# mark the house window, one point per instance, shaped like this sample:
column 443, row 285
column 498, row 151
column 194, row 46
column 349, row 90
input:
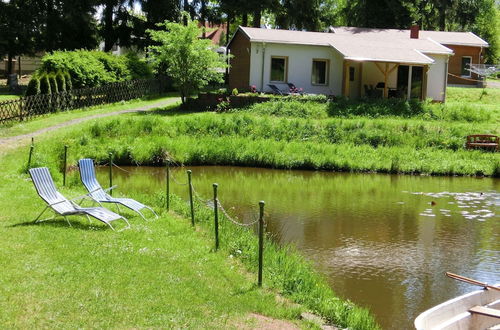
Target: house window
column 320, row 72
column 279, row 68
column 466, row 62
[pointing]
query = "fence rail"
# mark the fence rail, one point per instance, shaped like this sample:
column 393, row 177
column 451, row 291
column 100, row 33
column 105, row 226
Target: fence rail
column 27, row 107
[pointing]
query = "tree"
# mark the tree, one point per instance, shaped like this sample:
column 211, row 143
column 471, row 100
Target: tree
column 191, row 62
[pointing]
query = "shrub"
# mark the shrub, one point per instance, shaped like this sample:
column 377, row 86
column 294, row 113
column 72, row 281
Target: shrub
column 235, row 92
column 87, row 68
column 33, row 86
column 45, row 84
column 61, row 81
column 138, row 67
column 53, row 83
column 67, row 79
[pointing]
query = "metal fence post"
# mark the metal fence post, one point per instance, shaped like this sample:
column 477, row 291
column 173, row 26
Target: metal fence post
column 65, row 164
column 191, row 196
column 111, row 173
column 32, row 146
column 216, row 216
column 261, row 240
column 168, row 185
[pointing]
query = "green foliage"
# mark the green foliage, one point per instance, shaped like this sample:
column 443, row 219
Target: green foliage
column 45, row 87
column 138, row 67
column 61, row 81
column 191, row 62
column 53, row 83
column 67, row 80
column 93, row 68
column 235, row 92
column 33, row 86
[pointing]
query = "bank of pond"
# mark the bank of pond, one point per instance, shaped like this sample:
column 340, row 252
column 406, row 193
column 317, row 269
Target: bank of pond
column 382, row 241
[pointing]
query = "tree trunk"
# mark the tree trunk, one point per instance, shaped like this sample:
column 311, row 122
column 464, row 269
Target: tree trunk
column 108, row 26
column 257, row 15
column 203, row 17
column 244, row 19
column 186, row 9
column 10, row 65
column 442, row 15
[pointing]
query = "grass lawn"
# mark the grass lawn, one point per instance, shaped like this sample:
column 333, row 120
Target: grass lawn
column 160, row 273
column 13, row 128
column 4, row 97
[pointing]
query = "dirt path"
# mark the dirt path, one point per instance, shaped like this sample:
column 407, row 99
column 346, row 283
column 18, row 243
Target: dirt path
column 11, row 142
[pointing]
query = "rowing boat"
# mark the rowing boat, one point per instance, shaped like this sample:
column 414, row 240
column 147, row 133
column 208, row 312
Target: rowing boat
column 475, row 310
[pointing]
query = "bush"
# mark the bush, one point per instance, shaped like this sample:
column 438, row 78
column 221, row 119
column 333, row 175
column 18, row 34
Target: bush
column 61, row 81
column 33, row 86
column 138, row 67
column 87, row 68
column 67, row 79
column 53, row 83
column 45, row 87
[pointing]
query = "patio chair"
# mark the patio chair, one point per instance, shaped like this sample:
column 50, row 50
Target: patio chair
column 60, row 205
column 275, row 89
column 99, row 195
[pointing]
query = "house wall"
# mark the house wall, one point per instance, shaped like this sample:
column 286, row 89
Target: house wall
column 300, row 59
column 455, row 64
column 436, row 78
column 239, row 72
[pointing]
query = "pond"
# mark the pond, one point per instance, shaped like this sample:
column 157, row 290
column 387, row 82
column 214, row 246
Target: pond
column 382, row 241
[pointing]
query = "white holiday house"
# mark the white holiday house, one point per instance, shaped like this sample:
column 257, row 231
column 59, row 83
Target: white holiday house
column 350, row 65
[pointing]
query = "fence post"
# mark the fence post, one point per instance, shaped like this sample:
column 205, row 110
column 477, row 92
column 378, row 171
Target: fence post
column 32, row 146
column 65, row 164
column 261, row 240
column 191, row 196
column 168, row 185
column 111, row 173
column 216, row 216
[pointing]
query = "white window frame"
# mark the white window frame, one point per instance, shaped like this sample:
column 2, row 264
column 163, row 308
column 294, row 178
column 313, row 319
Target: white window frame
column 286, row 69
column 327, row 71
column 461, row 62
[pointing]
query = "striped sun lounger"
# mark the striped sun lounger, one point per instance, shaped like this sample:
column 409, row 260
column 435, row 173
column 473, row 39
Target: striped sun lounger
column 100, row 195
column 61, row 206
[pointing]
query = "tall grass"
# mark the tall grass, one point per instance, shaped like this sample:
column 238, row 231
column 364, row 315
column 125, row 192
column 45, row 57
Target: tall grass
column 385, row 145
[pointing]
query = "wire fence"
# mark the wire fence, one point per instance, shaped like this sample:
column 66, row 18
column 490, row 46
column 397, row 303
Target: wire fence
column 27, row 107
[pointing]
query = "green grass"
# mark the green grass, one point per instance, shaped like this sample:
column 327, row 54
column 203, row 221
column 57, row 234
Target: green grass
column 158, row 274
column 388, row 145
column 4, row 97
column 16, row 128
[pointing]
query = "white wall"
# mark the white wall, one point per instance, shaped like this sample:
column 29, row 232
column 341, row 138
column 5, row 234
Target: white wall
column 300, row 59
column 436, row 77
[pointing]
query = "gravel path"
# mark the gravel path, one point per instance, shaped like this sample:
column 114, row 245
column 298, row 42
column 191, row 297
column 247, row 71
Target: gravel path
column 11, row 142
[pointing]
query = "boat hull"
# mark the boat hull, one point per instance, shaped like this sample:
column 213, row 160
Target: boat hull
column 454, row 314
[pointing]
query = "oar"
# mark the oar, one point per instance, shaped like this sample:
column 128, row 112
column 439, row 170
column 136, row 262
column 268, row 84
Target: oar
column 471, row 281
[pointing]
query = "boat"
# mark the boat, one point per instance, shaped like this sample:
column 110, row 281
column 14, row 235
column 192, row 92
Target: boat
column 472, row 311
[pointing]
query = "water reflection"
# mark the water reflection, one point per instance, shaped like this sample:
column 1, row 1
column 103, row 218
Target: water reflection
column 383, row 241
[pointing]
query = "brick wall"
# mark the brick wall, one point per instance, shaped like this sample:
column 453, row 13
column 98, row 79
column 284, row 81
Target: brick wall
column 239, row 73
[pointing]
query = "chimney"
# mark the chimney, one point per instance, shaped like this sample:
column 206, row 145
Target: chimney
column 414, row 31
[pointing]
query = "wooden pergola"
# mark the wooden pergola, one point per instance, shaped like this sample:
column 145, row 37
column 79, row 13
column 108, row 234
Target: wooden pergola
column 385, row 68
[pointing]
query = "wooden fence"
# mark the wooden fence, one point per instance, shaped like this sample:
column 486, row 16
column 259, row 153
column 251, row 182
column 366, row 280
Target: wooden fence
column 27, row 107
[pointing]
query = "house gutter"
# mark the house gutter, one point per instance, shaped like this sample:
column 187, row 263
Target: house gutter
column 262, row 69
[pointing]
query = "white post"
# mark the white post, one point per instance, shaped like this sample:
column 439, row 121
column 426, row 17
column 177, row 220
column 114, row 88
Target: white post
column 408, row 96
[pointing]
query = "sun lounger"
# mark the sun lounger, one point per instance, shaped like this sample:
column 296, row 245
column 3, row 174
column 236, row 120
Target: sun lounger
column 100, row 195
column 275, row 89
column 60, row 205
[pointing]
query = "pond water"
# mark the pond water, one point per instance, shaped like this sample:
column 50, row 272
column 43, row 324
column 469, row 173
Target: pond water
column 382, row 241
